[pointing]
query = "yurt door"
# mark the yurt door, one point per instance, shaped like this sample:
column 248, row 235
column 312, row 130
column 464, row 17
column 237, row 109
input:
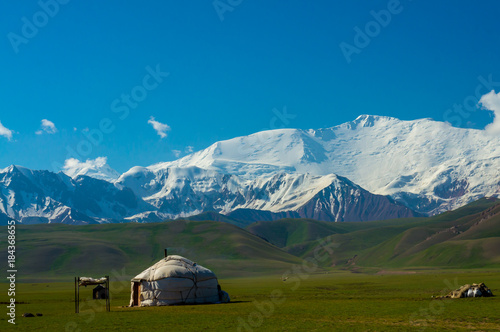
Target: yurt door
column 137, row 294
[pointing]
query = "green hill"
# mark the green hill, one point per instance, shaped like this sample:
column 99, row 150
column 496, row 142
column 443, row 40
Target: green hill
column 59, row 251
column 287, row 232
column 215, row 216
column 466, row 237
column 469, row 241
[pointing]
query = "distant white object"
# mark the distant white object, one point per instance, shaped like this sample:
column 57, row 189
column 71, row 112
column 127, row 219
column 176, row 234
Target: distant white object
column 91, row 281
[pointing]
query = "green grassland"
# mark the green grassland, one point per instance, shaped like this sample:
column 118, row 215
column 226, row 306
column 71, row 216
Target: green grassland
column 341, row 301
column 56, row 252
column 285, row 275
column 468, row 237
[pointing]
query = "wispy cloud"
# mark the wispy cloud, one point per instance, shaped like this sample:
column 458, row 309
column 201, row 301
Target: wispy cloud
column 90, row 163
column 177, row 153
column 5, row 132
column 189, row 149
column 48, row 127
column 491, row 101
column 161, row 128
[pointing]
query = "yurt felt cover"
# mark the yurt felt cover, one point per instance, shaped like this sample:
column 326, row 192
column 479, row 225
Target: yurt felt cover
column 175, row 280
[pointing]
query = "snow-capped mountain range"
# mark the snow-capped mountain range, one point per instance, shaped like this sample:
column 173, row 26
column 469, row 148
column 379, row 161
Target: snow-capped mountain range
column 427, row 165
column 371, row 168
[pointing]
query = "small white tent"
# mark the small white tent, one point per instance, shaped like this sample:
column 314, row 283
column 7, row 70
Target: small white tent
column 174, row 280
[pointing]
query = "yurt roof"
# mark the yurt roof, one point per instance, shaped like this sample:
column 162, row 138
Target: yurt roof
column 175, row 266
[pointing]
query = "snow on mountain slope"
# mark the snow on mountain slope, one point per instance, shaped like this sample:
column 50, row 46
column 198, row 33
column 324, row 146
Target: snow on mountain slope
column 261, row 153
column 338, row 173
column 182, row 192
column 143, row 195
column 45, row 197
column 428, row 165
column 345, row 201
column 284, row 192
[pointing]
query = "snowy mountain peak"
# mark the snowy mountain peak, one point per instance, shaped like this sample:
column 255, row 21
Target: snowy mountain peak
column 8, row 169
column 13, row 169
column 423, row 160
column 372, row 117
column 338, row 173
column 365, row 121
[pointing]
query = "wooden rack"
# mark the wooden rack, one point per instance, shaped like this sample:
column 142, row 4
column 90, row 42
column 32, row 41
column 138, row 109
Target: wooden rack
column 79, row 282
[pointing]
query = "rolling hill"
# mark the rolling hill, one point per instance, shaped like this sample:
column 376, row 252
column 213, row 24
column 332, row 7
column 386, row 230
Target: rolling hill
column 466, row 237
column 53, row 252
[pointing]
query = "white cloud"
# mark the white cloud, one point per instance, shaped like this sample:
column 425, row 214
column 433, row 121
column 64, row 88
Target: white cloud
column 97, row 168
column 161, row 128
column 5, row 132
column 176, row 153
column 189, row 149
column 73, row 163
column 47, row 126
column 491, row 101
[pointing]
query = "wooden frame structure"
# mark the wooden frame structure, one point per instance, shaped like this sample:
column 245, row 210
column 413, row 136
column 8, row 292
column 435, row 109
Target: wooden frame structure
column 79, row 281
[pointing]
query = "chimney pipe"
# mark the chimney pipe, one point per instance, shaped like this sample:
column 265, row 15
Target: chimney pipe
column 166, row 252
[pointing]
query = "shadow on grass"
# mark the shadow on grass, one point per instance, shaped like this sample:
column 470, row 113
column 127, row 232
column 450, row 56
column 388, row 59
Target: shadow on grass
column 238, row 302
column 185, row 305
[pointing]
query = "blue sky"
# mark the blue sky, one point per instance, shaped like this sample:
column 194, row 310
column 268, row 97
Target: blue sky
column 203, row 71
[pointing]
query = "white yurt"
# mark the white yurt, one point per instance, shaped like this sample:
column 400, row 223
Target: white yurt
column 174, row 280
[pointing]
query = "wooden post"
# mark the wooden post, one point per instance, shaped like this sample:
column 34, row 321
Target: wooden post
column 78, row 284
column 76, row 305
column 108, row 295
column 77, row 299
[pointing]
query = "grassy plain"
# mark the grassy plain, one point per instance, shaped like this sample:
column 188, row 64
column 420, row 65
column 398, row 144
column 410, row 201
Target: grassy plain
column 338, row 300
column 375, row 276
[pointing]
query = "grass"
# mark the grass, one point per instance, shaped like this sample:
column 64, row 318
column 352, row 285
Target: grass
column 384, row 276
column 305, row 302
column 466, row 238
column 55, row 252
